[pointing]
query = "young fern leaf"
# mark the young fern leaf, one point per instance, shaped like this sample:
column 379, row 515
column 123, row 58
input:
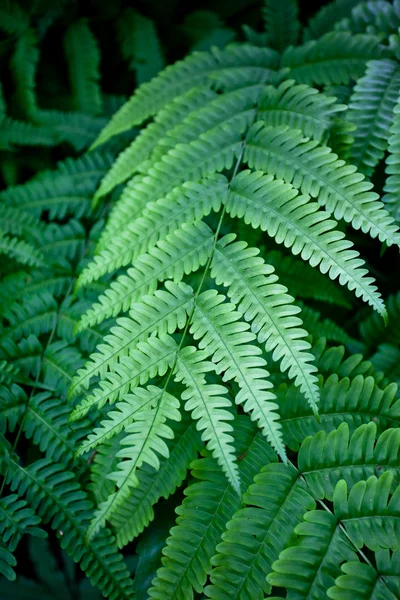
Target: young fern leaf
column 253, row 288
column 199, row 68
column 145, row 440
column 130, row 160
column 298, row 107
column 83, row 58
column 208, row 405
column 180, row 253
column 210, row 502
column 163, row 312
column 226, row 339
column 317, row 171
column 371, row 110
column 281, row 23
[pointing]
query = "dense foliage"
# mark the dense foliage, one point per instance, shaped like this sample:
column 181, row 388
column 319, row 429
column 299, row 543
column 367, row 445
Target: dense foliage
column 199, row 303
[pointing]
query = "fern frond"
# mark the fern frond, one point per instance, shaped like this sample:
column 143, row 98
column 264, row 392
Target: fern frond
column 274, row 505
column 16, row 520
column 23, row 66
column 371, row 110
column 210, row 502
column 333, row 59
column 363, row 581
column 7, row 561
column 180, row 253
column 149, row 358
column 144, row 442
column 184, row 205
column 281, row 23
column 213, row 152
column 140, row 45
column 373, row 330
column 83, row 58
column 208, row 405
column 59, row 364
column 317, row 171
column 163, row 312
column 227, row 340
column 353, row 401
column 197, row 69
column 35, row 316
column 377, row 16
column 326, row 328
column 14, row 132
column 327, row 457
column 130, row 160
column 392, row 185
column 298, row 107
column 327, row 16
column 387, row 360
column 253, row 288
column 19, row 250
column 57, row 498
column 137, row 512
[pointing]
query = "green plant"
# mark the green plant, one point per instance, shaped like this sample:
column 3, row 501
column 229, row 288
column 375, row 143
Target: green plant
column 179, row 332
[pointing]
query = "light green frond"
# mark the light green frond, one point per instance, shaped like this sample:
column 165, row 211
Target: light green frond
column 163, row 312
column 210, row 502
column 137, row 512
column 371, row 110
column 145, row 440
column 83, row 58
column 392, row 185
column 299, row 107
column 253, row 288
column 180, row 253
column 328, row 457
column 228, row 342
column 202, row 157
column 208, row 405
column 281, row 23
column 149, row 358
column 184, row 205
column 274, row 505
column 129, row 161
column 197, row 69
column 317, row 171
column 333, row 59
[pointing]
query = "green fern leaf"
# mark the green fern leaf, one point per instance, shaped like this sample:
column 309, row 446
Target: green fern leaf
column 392, row 186
column 327, row 16
column 208, row 405
column 316, row 171
column 371, row 110
column 145, row 437
column 226, row 339
column 83, row 58
column 180, row 253
column 281, row 23
column 210, row 502
column 274, row 505
column 197, row 69
column 333, row 59
column 20, row 250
